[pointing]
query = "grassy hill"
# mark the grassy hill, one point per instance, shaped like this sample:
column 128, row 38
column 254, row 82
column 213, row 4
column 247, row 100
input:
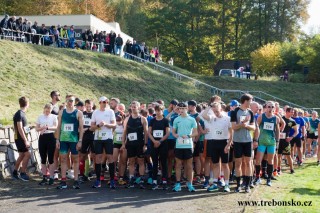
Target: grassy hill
column 34, row 71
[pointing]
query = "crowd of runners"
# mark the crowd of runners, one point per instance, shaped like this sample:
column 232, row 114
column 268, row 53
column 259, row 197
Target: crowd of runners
column 209, row 144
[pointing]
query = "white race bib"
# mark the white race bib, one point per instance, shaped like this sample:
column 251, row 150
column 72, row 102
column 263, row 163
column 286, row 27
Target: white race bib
column 133, row 136
column 282, row 135
column 68, row 127
column 102, row 134
column 184, row 141
column 268, row 126
column 157, row 133
column 218, row 133
column 316, row 133
column 26, row 129
column 242, row 118
column 118, row 137
column 87, row 122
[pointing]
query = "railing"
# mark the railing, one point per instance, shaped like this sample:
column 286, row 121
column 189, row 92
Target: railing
column 260, row 95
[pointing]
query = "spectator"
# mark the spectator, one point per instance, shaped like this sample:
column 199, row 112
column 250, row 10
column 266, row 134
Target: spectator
column 18, row 28
column 64, row 36
column 170, row 62
column 248, row 70
column 47, row 40
column 72, row 37
column 35, row 30
column 4, row 25
column 84, row 37
column 96, row 37
column 135, row 48
column 128, row 49
column 119, row 43
column 28, row 31
column 103, row 40
column 152, row 55
column 286, row 76
column 112, row 42
column 90, row 38
column 11, row 25
column 156, row 54
column 142, row 50
column 108, row 43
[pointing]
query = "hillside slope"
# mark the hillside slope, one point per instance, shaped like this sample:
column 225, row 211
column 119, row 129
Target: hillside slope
column 34, row 71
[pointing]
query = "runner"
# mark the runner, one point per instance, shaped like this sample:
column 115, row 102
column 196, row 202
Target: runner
column 102, row 122
column 184, row 130
column 69, row 137
column 269, row 137
column 296, row 142
column 135, row 139
column 285, row 138
column 21, row 130
column 87, row 143
column 114, row 102
column 218, row 146
column 305, row 116
column 192, row 105
column 313, row 131
column 242, row 120
column 46, row 125
column 158, row 133
column 117, row 153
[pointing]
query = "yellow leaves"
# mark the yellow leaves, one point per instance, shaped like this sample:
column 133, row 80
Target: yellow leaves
column 267, row 59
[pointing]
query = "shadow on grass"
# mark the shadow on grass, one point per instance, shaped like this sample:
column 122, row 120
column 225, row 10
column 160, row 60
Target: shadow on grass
column 306, row 191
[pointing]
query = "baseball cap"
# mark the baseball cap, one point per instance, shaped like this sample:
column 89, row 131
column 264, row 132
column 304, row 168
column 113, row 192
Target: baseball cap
column 192, row 103
column 234, row 103
column 174, row 102
column 79, row 104
column 182, row 104
column 103, row 98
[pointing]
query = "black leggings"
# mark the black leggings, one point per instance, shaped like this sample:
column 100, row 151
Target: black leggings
column 47, row 146
column 160, row 153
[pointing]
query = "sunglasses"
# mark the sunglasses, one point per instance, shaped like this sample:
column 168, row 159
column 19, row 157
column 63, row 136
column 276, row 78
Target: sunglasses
column 70, row 100
column 270, row 106
column 104, row 102
column 57, row 95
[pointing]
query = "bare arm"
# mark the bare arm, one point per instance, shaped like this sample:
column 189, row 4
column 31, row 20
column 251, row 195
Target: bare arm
column 21, row 133
column 145, row 129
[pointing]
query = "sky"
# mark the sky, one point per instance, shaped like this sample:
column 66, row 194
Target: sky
column 313, row 24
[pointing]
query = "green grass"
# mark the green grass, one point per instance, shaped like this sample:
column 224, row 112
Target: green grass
column 302, row 186
column 34, row 71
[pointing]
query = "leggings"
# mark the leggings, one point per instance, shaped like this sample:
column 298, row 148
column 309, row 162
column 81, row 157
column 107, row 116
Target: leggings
column 47, row 146
column 160, row 153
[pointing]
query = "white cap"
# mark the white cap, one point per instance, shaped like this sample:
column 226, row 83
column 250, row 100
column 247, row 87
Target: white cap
column 103, row 98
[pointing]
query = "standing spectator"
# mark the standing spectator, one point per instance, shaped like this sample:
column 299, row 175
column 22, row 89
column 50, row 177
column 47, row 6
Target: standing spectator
column 152, row 55
column 4, row 25
column 156, row 54
column 84, row 37
column 113, row 36
column 96, row 38
column 90, row 38
column 47, row 41
column 127, row 49
column 72, row 37
column 248, row 70
column 170, row 62
column 18, row 28
column 142, row 49
column 11, row 25
column 135, row 48
column 101, row 42
column 108, row 43
column 286, row 76
column 28, row 31
column 64, row 36
column 119, row 43
column 35, row 30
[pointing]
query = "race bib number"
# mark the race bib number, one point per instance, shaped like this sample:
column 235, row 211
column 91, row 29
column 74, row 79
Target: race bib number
column 268, row 126
column 68, row 127
column 282, row 135
column 218, row 133
column 157, row 133
column 242, row 118
column 184, row 141
column 26, row 129
column 87, row 121
column 316, row 133
column 133, row 136
column 102, row 134
column 118, row 137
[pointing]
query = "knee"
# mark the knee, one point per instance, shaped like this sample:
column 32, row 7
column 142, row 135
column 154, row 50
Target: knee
column 63, row 159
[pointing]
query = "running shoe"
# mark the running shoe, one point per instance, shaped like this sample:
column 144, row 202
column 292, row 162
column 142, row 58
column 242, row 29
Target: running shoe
column 149, row 181
column 205, row 184
column 318, row 162
column 247, row 189
column 43, row 182
column 269, row 182
column 164, row 185
column 221, row 182
column 112, row 184
column 138, row 180
column 226, row 188
column 62, row 185
column 131, row 183
column 237, row 189
column 177, row 187
column 212, row 188
column 51, row 181
column 273, row 178
column 56, row 176
column 97, row 184
column 190, row 187
column 76, row 185
column 83, row 179
column 275, row 173
column 122, row 182
column 70, row 174
column 15, row 176
column 291, row 171
column 257, row 181
column 23, row 176
column 154, row 186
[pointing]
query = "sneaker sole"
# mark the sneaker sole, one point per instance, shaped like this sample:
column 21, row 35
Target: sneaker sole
column 64, row 187
column 23, row 179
